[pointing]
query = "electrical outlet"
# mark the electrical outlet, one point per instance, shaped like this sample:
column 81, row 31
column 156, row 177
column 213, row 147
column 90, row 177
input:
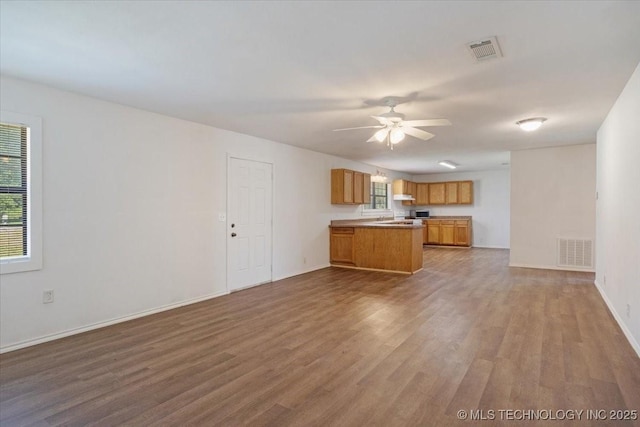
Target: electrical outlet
column 47, row 296
column 629, row 310
column 222, row 217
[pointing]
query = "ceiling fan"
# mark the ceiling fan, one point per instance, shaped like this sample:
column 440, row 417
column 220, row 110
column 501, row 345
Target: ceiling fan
column 393, row 127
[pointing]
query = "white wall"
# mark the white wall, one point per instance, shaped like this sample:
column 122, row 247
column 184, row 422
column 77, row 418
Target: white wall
column 552, row 195
column 617, row 224
column 490, row 209
column 131, row 201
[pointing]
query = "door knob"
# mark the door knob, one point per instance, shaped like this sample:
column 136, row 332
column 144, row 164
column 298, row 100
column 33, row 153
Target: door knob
column 233, row 234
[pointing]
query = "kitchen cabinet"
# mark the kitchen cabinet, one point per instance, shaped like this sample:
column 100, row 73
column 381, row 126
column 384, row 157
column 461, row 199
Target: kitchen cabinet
column 448, row 231
column 400, row 186
column 366, row 188
column 433, row 232
column 373, row 247
column 462, row 237
column 350, row 187
column 451, row 193
column 413, row 192
column 341, row 245
column 437, row 191
column 422, row 193
column 358, row 190
column 465, row 192
column 443, row 193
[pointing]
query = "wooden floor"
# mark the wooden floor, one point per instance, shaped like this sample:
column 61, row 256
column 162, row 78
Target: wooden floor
column 346, row 348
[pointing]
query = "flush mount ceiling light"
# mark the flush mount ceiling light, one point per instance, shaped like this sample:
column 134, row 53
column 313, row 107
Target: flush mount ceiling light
column 531, row 124
column 448, row 163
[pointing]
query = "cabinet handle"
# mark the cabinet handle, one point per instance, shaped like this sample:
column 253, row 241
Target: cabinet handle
column 233, row 234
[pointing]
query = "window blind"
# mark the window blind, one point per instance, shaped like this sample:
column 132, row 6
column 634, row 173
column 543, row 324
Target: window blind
column 13, row 190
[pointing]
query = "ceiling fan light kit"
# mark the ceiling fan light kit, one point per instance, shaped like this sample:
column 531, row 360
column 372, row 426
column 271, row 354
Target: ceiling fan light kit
column 531, row 124
column 396, row 135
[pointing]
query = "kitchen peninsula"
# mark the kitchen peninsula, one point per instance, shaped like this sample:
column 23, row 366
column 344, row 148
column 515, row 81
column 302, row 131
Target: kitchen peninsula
column 394, row 246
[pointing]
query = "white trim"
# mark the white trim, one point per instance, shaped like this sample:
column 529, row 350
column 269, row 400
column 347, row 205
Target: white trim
column 490, row 247
column 34, row 193
column 98, row 325
column 319, row 267
column 623, row 326
column 552, row 267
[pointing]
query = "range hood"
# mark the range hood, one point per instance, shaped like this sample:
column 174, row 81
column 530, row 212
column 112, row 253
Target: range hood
column 403, row 197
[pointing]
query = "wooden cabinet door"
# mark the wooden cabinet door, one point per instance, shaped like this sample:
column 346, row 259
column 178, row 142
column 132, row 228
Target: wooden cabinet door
column 447, row 232
column 425, row 233
column 341, row 245
column 451, row 193
column 410, row 188
column 422, row 193
column 358, row 188
column 462, row 237
column 433, row 232
column 436, row 193
column 367, row 188
column 347, row 187
column 465, row 192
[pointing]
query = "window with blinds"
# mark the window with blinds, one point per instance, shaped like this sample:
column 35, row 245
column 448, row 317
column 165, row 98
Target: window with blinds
column 13, row 190
column 379, row 195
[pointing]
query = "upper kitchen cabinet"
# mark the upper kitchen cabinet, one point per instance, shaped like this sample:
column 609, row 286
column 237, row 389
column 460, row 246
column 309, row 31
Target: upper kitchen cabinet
column 465, row 192
column 451, row 193
column 406, row 188
column 445, row 193
column 422, row 193
column 350, row 187
column 437, row 193
column 400, row 186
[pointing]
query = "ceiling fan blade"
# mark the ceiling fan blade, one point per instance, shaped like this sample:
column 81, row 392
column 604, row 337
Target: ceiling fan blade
column 374, row 139
column 383, row 120
column 361, row 127
column 418, row 133
column 429, row 122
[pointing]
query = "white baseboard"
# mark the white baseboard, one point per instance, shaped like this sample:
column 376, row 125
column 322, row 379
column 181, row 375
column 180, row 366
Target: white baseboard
column 552, row 267
column 623, row 326
column 490, row 247
column 317, row 267
column 74, row 331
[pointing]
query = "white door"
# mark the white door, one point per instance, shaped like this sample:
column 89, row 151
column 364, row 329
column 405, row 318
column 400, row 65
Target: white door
column 248, row 223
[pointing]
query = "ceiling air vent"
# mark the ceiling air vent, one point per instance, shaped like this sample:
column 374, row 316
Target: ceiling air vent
column 485, row 49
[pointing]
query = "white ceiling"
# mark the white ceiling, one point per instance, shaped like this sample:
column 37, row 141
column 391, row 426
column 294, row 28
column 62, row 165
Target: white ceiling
column 293, row 71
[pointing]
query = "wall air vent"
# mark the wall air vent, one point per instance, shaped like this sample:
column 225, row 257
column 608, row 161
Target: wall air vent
column 575, row 253
column 485, row 49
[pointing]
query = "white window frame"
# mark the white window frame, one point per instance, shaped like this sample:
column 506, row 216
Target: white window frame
column 379, row 212
column 33, row 260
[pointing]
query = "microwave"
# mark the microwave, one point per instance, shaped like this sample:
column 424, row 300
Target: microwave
column 422, row 214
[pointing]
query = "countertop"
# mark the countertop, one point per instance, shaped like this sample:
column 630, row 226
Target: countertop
column 448, row 217
column 372, row 223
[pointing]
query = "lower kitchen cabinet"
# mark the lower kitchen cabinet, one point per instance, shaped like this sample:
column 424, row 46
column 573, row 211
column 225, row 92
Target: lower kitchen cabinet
column 341, row 245
column 433, row 232
column 448, row 232
column 462, row 233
